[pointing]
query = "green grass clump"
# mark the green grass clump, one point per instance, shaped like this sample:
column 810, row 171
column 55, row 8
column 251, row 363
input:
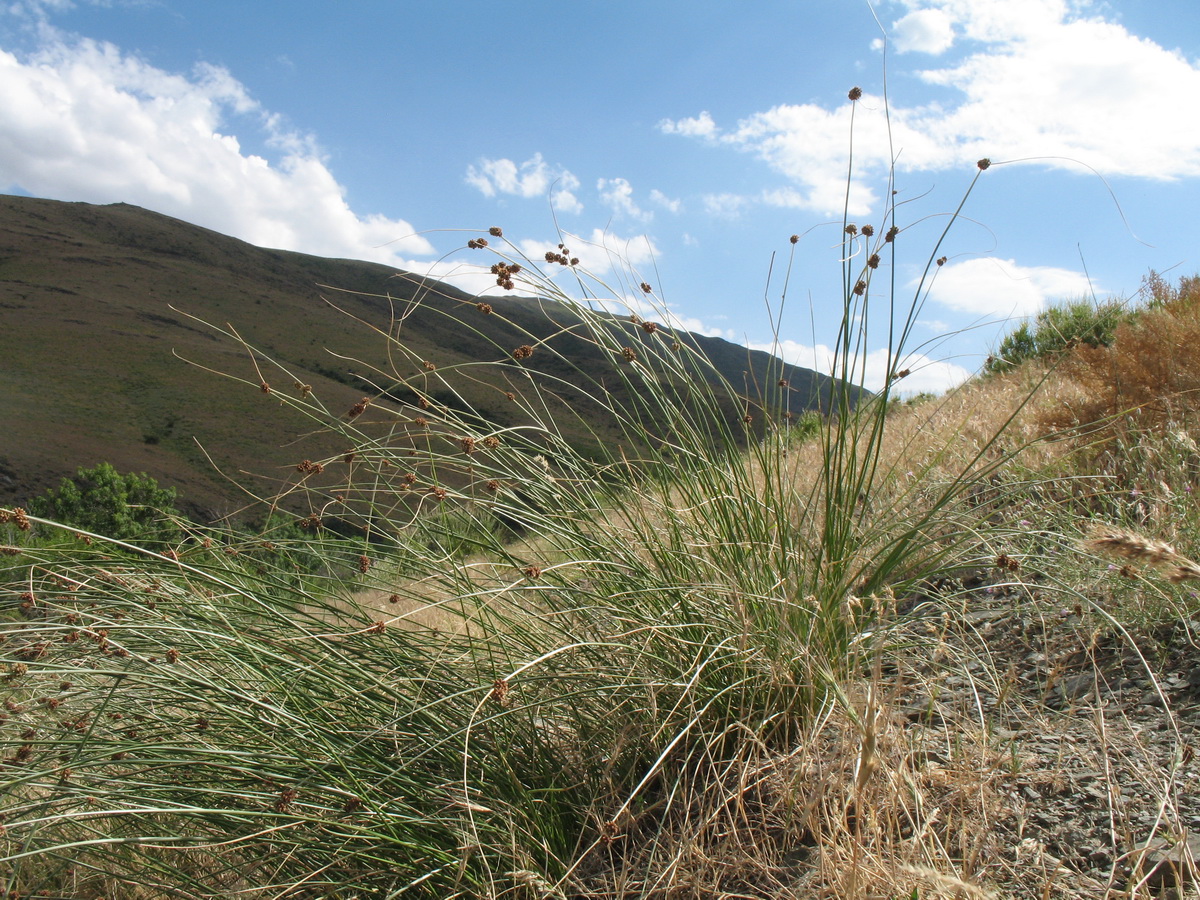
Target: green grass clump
column 525, row 665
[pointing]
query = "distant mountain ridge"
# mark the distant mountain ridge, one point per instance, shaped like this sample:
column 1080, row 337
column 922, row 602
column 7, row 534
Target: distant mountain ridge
column 95, row 304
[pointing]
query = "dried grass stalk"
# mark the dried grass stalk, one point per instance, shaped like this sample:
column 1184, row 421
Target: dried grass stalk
column 1122, row 544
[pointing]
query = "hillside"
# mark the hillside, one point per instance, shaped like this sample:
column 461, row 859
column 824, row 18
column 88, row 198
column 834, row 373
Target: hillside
column 97, row 341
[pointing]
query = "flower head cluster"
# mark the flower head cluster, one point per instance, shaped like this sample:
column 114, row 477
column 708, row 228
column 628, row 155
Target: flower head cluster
column 504, row 273
column 562, row 257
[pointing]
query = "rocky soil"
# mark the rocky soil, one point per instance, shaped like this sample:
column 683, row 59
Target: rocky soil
column 1084, row 736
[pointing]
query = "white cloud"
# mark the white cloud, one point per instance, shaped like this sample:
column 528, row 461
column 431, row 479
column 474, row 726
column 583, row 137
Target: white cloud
column 1086, row 89
column 726, row 206
column 810, row 145
column 923, row 31
column 601, row 254
column 82, row 121
column 1042, row 82
column 998, row 21
column 532, row 178
column 925, row 373
column 701, row 126
column 1001, row 288
column 617, row 195
column 670, row 205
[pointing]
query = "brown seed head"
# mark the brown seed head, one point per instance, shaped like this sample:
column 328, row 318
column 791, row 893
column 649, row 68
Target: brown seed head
column 1006, row 563
column 428, row 366
column 495, row 231
column 359, row 408
column 873, row 261
column 868, row 230
column 941, row 261
column 286, row 797
column 852, row 229
column 795, row 239
column 860, row 287
column 629, row 354
column 646, row 289
column 485, row 308
column 265, row 388
column 891, row 233
column 983, row 164
column 467, row 444
column 523, row 352
column 499, row 693
column 855, row 93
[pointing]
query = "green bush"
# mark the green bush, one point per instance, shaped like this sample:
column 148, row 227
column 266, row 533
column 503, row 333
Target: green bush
column 103, row 501
column 1059, row 328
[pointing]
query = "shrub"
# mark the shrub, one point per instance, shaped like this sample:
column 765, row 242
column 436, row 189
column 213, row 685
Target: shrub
column 103, row 501
column 1059, row 328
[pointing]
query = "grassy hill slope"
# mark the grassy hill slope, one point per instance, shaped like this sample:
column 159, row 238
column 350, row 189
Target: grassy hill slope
column 96, row 304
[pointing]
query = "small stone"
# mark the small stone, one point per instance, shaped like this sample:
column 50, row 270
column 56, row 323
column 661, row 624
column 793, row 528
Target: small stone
column 1173, row 865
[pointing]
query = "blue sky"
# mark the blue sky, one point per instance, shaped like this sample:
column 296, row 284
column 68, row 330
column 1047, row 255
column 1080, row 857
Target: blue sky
column 689, row 139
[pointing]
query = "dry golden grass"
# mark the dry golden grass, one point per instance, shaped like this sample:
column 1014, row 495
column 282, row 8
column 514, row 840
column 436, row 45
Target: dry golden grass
column 1147, row 380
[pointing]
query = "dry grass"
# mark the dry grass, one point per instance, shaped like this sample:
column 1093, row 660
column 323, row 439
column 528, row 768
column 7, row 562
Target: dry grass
column 1146, row 381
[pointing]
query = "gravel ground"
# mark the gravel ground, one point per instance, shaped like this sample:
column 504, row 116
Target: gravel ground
column 1092, row 736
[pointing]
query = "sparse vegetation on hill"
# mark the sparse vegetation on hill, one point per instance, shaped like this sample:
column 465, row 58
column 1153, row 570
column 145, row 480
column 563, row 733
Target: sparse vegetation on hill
column 700, row 649
column 122, row 293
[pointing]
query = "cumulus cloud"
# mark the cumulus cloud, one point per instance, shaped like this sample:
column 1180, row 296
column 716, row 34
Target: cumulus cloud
column 701, row 126
column 617, row 195
column 671, row 205
column 925, row 373
column 83, row 121
column 1040, row 83
column 1001, row 288
column 532, row 178
column 725, row 205
column 923, row 31
column 600, row 253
